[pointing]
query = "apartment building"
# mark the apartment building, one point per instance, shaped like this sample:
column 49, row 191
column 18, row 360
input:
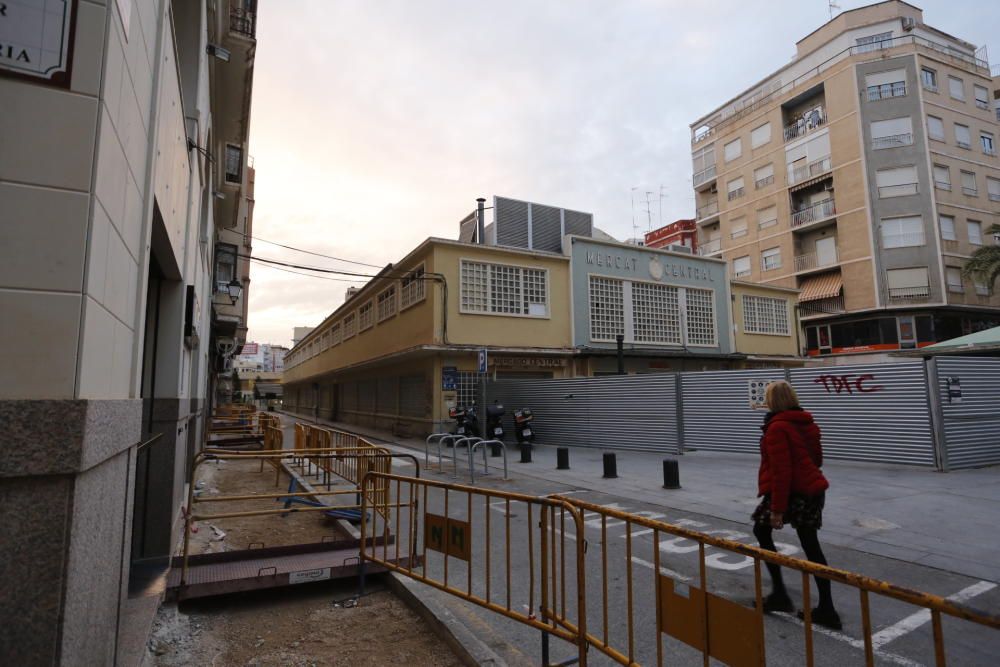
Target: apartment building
column 863, row 173
column 680, row 233
column 116, row 309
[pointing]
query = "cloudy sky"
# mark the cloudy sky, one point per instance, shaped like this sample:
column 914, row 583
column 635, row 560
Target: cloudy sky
column 377, row 123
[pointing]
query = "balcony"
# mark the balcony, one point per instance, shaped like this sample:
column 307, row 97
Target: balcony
column 819, row 211
column 887, row 91
column 704, row 176
column 806, row 124
column 892, row 141
column 811, row 261
column 736, row 194
column 243, row 21
column 905, row 295
column 710, row 247
column 764, row 182
column 811, row 170
column 709, row 210
column 831, row 306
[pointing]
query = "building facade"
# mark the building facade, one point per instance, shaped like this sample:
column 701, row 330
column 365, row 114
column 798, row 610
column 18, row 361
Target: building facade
column 864, row 173
column 766, row 324
column 677, row 233
column 112, row 138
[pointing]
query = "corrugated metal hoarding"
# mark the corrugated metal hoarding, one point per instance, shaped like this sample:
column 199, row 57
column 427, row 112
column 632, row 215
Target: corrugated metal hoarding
column 875, row 412
column 717, row 413
column 971, row 419
column 636, row 412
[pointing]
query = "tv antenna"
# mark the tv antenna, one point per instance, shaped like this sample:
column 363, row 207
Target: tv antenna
column 635, row 228
column 662, row 197
column 649, row 213
column 833, row 5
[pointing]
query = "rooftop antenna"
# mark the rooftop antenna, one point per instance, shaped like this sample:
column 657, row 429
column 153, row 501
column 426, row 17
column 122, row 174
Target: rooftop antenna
column 662, row 196
column 833, row 5
column 635, row 228
column 649, row 213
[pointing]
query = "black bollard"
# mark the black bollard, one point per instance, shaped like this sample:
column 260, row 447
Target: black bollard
column 610, row 466
column 562, row 458
column 671, row 474
column 495, row 449
column 526, row 453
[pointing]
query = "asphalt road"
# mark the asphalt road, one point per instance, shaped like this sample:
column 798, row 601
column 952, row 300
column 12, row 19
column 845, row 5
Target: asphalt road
column 902, row 633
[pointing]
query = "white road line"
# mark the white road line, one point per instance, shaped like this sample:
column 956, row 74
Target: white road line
column 856, row 643
column 666, row 572
column 915, row 620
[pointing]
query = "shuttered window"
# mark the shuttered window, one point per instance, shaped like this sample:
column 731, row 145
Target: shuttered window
column 760, row 135
column 733, row 150
column 897, row 181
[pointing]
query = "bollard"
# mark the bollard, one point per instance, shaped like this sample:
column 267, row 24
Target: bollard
column 495, row 449
column 526, row 453
column 610, row 466
column 562, row 458
column 671, row 474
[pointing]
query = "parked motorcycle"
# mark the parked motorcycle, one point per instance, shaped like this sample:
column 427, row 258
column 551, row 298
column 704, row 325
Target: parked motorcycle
column 522, row 426
column 466, row 423
column 494, row 421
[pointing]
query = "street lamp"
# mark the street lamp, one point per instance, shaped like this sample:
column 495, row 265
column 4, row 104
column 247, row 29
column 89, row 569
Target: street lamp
column 235, row 288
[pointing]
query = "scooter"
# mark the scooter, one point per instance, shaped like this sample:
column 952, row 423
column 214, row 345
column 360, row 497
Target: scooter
column 494, row 421
column 522, row 426
column 466, row 422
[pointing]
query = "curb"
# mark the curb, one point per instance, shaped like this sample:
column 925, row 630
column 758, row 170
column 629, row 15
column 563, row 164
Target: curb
column 469, row 648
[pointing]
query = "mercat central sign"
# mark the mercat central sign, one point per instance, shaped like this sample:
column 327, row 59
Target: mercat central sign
column 658, row 270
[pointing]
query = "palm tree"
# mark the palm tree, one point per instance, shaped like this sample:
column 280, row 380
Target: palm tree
column 985, row 262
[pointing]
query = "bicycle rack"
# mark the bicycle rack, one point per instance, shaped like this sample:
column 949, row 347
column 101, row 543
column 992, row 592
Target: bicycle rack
column 427, row 447
column 469, row 442
column 486, row 471
column 451, row 440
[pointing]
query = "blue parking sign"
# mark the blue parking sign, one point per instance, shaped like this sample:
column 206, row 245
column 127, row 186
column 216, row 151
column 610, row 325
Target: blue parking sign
column 482, row 360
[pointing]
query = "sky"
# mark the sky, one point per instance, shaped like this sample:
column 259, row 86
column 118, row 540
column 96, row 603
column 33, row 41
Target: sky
column 376, row 123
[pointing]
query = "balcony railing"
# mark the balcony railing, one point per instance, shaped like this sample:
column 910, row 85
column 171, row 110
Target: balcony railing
column 736, row 194
column 983, row 104
column 814, row 168
column 829, row 306
column 942, row 185
column 811, row 261
column 763, row 182
column 903, row 240
column 708, row 210
column 900, row 190
column 963, row 144
column 909, row 294
column 806, row 124
column 814, row 213
column 243, row 21
column 972, row 192
column 892, row 141
column 710, row 247
column 995, row 196
column 703, row 176
column 886, row 91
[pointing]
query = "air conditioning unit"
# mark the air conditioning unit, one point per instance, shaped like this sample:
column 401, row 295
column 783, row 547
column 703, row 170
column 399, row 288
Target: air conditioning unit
column 908, row 24
column 714, row 189
column 828, row 186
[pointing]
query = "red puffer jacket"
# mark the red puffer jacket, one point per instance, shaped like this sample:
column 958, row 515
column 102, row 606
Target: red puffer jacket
column 790, row 457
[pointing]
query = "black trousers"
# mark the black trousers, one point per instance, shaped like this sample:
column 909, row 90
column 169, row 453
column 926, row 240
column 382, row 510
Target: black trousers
column 809, row 538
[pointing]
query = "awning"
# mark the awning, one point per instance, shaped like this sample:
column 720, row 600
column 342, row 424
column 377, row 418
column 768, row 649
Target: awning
column 823, row 286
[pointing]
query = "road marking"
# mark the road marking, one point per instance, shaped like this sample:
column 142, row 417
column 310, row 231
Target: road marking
column 847, row 639
column 917, row 619
column 663, row 570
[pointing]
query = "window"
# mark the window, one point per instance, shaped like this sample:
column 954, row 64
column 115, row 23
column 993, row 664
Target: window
column 928, row 78
column 767, row 217
column 993, row 188
column 703, row 164
column 234, row 164
column 656, row 313
column 896, row 182
column 350, row 326
column 935, row 128
column 733, row 150
column 763, row 176
column 883, row 85
column 905, row 232
column 982, row 97
column 741, row 266
column 607, row 312
column 225, row 266
column 738, row 228
column 366, row 316
column 883, row 40
column 906, row 284
column 986, row 139
column 942, row 177
column 947, row 223
column 955, row 88
column 891, row 133
column 975, row 232
column 387, row 303
column 336, row 334
column 503, row 289
column 969, row 184
column 962, row 136
column 700, row 316
column 735, row 189
column 982, row 289
column 954, row 277
column 760, row 135
column 770, row 259
column 412, row 288
column 765, row 315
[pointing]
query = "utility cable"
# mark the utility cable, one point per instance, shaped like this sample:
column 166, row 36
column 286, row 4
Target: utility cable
column 308, row 252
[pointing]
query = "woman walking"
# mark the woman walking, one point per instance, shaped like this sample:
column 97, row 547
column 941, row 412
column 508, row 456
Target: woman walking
column 793, row 490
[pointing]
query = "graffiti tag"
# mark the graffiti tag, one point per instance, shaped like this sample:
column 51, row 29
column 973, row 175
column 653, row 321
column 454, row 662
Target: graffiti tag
column 836, row 384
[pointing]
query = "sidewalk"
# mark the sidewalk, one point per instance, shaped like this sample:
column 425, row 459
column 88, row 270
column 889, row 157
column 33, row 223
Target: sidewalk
column 942, row 520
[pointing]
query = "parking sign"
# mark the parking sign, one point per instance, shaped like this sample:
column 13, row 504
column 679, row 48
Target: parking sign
column 482, row 360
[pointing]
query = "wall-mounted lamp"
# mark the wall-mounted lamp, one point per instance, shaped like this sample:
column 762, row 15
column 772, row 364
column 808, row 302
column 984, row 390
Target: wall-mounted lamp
column 192, row 146
column 220, row 52
column 218, row 194
column 235, row 288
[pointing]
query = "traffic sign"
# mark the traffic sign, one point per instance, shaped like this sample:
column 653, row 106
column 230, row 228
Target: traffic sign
column 482, row 360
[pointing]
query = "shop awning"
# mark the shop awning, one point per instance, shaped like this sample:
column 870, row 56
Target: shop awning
column 823, row 286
